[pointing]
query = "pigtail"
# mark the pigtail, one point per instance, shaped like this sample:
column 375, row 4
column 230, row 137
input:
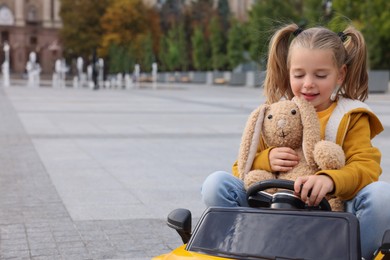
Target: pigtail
column 356, row 80
column 276, row 83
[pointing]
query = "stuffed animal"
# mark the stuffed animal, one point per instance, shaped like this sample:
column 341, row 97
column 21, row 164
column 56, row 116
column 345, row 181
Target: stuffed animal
column 288, row 123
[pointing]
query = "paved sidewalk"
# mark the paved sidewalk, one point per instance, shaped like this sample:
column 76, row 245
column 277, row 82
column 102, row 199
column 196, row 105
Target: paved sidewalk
column 93, row 174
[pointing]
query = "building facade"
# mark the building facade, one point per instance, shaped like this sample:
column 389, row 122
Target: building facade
column 30, row 26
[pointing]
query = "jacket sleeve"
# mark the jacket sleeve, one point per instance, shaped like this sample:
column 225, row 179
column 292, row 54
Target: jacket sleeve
column 261, row 162
column 362, row 165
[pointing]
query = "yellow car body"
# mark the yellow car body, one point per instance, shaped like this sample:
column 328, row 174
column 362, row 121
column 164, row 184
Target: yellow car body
column 180, row 253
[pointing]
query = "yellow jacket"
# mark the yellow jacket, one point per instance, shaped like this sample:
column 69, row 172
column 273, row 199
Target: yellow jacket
column 352, row 125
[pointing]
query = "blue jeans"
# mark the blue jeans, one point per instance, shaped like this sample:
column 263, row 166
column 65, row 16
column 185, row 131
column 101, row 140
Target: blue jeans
column 370, row 205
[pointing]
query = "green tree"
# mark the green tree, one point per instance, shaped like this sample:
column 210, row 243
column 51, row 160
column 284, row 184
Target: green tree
column 218, row 44
column 223, row 11
column 199, row 50
column 81, row 32
column 183, row 47
column 266, row 16
column 313, row 13
column 236, row 44
column 163, row 54
column 173, row 51
column 373, row 19
column 200, row 12
column 119, row 59
column 171, row 14
column 148, row 54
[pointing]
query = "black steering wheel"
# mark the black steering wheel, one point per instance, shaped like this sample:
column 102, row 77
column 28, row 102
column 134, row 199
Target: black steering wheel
column 285, row 199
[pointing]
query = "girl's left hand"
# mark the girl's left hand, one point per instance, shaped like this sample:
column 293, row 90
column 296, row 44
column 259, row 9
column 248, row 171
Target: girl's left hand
column 317, row 185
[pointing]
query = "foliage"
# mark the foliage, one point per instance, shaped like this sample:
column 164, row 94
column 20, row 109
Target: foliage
column 373, row 19
column 218, row 41
column 175, row 45
column 183, row 47
column 199, row 50
column 173, row 51
column 236, row 44
column 132, row 26
column 163, row 54
column 148, row 56
column 315, row 13
column 200, row 13
column 223, row 12
column 171, row 14
column 266, row 16
column 81, row 32
column 198, row 35
column 119, row 59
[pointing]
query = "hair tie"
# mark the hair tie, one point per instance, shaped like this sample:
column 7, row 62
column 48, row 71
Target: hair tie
column 343, row 36
column 297, row 31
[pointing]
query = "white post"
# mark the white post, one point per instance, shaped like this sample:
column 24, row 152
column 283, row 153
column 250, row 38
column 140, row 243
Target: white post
column 128, row 82
column 56, row 74
column 63, row 71
column 119, row 80
column 137, row 72
column 80, row 74
column 5, row 66
column 154, row 74
column 101, row 72
column 89, row 76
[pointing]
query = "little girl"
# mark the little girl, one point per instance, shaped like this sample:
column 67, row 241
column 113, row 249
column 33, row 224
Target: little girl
column 329, row 70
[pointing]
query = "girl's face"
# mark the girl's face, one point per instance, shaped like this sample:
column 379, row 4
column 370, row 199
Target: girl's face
column 314, row 75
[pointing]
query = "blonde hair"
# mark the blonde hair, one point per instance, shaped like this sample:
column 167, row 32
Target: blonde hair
column 348, row 48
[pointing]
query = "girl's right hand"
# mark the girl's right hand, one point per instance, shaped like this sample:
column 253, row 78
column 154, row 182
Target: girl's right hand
column 282, row 159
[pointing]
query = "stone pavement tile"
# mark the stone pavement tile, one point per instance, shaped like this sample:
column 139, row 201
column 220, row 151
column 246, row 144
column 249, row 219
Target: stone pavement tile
column 51, row 257
column 7, row 254
column 35, row 252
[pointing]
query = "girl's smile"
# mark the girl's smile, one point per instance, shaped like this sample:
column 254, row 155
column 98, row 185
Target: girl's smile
column 309, row 96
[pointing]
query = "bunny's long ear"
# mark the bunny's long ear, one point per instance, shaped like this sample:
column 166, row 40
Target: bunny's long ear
column 250, row 140
column 311, row 129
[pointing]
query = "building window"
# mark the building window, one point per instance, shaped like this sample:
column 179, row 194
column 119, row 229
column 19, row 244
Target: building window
column 6, row 16
column 4, row 36
column 32, row 14
column 33, row 40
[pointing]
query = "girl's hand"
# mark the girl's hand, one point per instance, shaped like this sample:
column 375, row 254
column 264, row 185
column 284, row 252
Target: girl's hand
column 282, row 159
column 317, row 185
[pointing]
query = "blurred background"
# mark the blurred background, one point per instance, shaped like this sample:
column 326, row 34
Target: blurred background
column 178, row 35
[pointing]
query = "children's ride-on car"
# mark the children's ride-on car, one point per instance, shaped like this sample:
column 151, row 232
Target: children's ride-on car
column 278, row 226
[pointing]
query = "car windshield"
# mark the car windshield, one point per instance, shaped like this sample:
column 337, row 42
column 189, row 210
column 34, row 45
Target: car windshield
column 273, row 234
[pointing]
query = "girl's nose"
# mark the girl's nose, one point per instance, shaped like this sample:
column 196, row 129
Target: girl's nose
column 309, row 83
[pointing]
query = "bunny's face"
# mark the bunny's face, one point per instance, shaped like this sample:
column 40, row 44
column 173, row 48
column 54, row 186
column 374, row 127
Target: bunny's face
column 282, row 125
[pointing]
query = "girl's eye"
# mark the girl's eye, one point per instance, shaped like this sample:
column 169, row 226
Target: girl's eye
column 322, row 76
column 298, row 76
column 269, row 116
